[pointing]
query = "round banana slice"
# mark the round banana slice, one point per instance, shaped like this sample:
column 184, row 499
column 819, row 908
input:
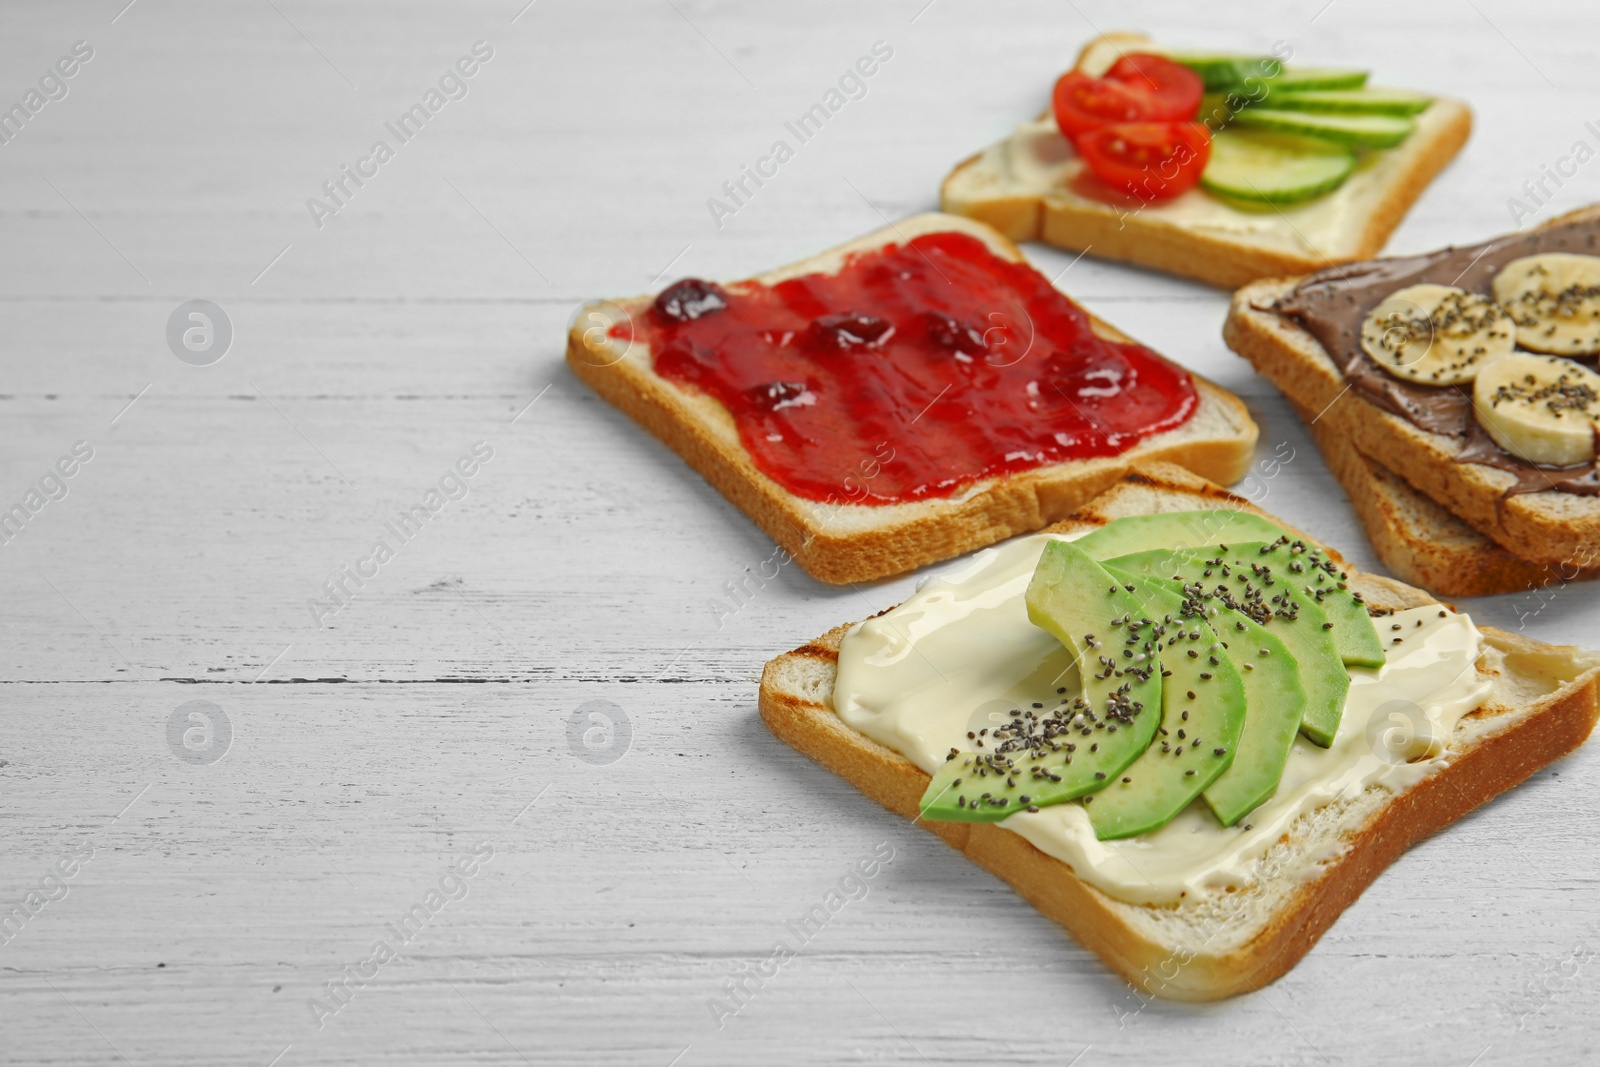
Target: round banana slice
column 1555, row 301
column 1539, row 408
column 1437, row 334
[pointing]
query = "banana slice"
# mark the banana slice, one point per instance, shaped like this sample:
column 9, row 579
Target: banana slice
column 1539, row 408
column 1437, row 334
column 1555, row 301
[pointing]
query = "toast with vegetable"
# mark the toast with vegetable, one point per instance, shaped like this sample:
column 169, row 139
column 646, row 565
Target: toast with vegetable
column 1126, row 719
column 1225, row 168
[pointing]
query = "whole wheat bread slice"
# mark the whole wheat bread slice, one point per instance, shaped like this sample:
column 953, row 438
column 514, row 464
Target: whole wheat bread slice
column 1419, row 541
column 1558, row 530
column 848, row 542
column 1380, row 193
column 1215, row 945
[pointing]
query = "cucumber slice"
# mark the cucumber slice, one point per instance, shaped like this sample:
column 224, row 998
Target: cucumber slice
column 1223, row 72
column 1354, row 101
column 1358, row 131
column 1304, row 79
column 1274, row 168
column 1214, row 110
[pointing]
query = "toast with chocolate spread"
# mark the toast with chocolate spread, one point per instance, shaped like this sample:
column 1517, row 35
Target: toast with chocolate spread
column 950, row 417
column 1233, row 939
column 1314, row 336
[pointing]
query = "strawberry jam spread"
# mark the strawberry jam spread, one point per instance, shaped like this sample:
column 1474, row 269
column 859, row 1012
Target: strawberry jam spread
column 915, row 370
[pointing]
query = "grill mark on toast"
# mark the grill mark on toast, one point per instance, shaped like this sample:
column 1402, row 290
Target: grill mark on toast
column 1188, row 488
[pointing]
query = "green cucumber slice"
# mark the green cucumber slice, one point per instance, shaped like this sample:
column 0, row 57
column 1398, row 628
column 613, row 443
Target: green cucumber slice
column 1303, row 79
column 1214, row 110
column 1357, row 131
column 1272, row 168
column 1222, row 71
column 1354, row 101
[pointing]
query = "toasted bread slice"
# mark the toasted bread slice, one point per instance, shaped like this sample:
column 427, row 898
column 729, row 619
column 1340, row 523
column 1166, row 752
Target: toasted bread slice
column 1543, row 705
column 1020, row 186
column 847, row 542
column 1553, row 529
column 1420, row 541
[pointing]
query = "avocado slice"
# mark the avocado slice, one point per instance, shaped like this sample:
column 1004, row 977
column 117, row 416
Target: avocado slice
column 1274, row 702
column 1277, row 702
column 1177, row 529
column 1235, row 535
column 1203, row 706
column 1308, row 569
column 1255, row 590
column 1057, row 754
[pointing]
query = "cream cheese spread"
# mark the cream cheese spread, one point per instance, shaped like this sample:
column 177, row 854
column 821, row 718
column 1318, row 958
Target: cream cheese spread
column 961, row 652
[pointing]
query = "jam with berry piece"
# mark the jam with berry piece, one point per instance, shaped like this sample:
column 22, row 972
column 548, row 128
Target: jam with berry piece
column 913, row 371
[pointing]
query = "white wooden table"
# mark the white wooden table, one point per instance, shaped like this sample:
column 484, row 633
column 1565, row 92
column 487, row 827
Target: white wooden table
column 366, row 756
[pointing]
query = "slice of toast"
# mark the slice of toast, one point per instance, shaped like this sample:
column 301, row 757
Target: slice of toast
column 1420, row 541
column 1220, row 943
column 1560, row 530
column 849, row 542
column 1020, row 187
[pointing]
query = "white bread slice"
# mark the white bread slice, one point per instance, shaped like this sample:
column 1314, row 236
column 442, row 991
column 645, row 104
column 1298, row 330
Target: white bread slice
column 1194, row 234
column 1543, row 705
column 1560, row 530
column 1419, row 541
column 857, row 542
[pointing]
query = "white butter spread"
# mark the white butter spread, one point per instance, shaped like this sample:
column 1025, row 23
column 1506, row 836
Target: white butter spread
column 961, row 649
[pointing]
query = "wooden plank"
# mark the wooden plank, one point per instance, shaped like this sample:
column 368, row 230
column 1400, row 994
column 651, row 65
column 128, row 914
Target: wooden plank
column 370, row 754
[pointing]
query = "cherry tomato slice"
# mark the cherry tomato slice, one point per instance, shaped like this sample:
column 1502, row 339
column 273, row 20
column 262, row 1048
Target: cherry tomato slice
column 1082, row 103
column 1149, row 160
column 1139, row 88
column 1172, row 91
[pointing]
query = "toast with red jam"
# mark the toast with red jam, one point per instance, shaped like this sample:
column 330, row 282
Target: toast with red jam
column 901, row 399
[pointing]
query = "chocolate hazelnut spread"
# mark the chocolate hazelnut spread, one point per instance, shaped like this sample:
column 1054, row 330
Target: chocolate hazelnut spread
column 1332, row 304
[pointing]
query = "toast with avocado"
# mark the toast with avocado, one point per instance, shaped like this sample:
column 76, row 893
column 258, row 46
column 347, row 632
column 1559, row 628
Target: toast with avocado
column 1180, row 794
column 904, row 398
column 1463, row 374
column 1259, row 166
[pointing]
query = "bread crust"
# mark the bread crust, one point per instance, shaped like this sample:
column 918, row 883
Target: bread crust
column 843, row 543
column 1558, row 530
column 1146, row 238
column 1420, row 541
column 1551, row 726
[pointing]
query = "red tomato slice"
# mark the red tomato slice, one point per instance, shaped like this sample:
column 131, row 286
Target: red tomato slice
column 1150, row 160
column 1139, row 88
column 1171, row 89
column 1083, row 103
